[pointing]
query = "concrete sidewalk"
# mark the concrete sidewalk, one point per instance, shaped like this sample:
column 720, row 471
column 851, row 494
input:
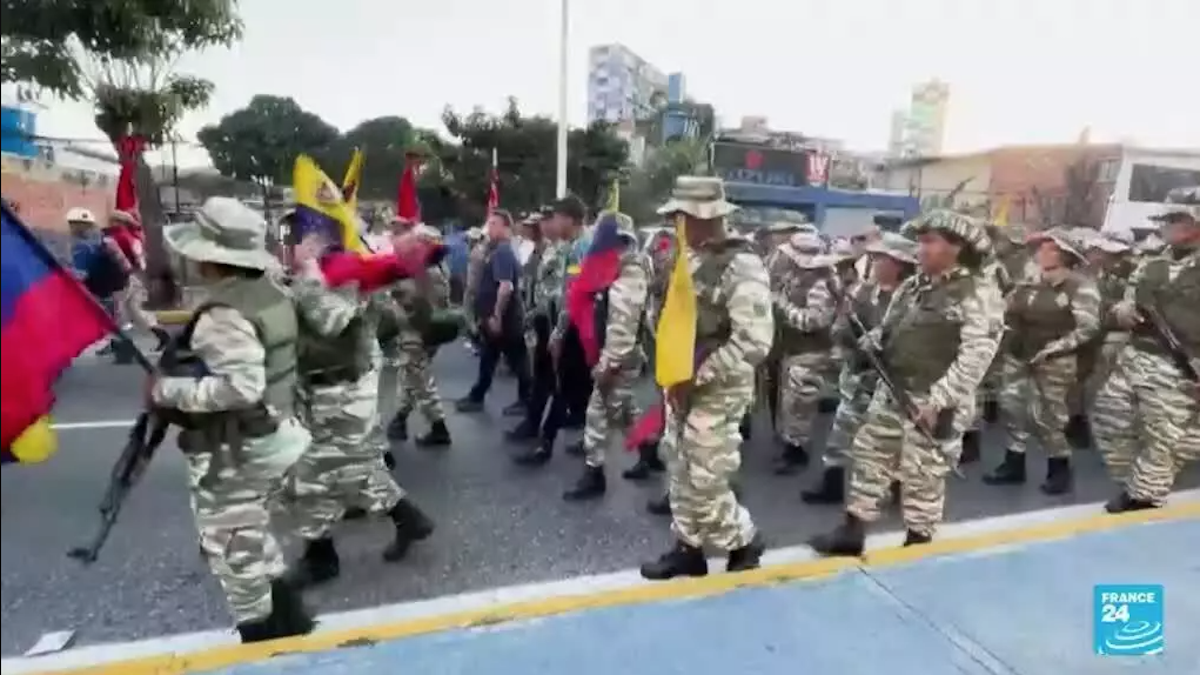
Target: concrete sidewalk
column 1013, row 602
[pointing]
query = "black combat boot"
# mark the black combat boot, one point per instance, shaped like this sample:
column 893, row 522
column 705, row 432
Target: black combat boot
column 288, row 617
column 680, row 561
column 648, row 463
column 318, row 564
column 468, row 404
column 971, row 449
column 660, row 506
column 389, row 460
column 895, row 492
column 354, row 513
column 830, row 489
column 746, row 427
column 916, row 538
column 1079, row 432
column 397, row 429
column 412, row 525
column 793, row 460
column 591, row 485
column 516, row 409
column 1123, row 503
column 847, row 539
column 438, row 436
column 576, row 449
column 1011, row 471
column 536, row 457
column 991, row 411
column 521, row 433
column 1059, row 479
column 163, row 337
column 748, row 557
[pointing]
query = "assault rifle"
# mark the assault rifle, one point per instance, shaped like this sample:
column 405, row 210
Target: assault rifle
column 943, row 427
column 1166, row 336
column 145, row 437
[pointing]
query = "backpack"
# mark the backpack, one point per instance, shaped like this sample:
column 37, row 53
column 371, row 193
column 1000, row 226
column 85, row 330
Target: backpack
column 104, row 275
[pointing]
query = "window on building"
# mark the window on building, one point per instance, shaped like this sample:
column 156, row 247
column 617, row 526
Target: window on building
column 1108, row 170
column 1152, row 183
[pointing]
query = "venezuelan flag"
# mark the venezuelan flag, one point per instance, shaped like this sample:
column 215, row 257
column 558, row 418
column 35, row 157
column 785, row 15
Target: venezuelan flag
column 48, row 319
column 600, row 267
column 352, row 180
column 320, row 207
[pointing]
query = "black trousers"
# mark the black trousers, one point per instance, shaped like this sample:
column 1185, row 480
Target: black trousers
column 574, row 386
column 544, row 381
column 510, row 346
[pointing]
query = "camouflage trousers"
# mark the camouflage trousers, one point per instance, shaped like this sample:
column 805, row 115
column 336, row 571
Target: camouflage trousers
column 888, row 447
column 805, row 380
column 607, row 413
column 1036, row 395
column 700, row 446
column 855, row 389
column 415, row 386
column 234, row 522
column 990, row 388
column 1144, row 421
column 1101, row 369
column 342, row 467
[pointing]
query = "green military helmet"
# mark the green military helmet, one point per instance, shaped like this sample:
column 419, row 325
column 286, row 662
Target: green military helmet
column 1063, row 238
column 972, row 231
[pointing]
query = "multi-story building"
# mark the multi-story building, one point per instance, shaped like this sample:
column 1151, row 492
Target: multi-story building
column 624, row 86
column 920, row 131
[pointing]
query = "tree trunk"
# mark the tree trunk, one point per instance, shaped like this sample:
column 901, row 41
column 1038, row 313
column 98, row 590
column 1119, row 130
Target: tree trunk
column 161, row 286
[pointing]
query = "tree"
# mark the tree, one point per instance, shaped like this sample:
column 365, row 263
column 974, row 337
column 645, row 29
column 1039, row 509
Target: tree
column 1080, row 202
column 120, row 53
column 526, row 149
column 260, row 143
column 650, row 185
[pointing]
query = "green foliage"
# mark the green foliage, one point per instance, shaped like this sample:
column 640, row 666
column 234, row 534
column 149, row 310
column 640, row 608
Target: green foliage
column 650, row 185
column 49, row 42
column 151, row 112
column 526, row 149
column 260, row 142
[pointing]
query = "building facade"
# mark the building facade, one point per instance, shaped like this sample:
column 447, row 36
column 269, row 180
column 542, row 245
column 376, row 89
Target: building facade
column 623, row 86
column 920, row 131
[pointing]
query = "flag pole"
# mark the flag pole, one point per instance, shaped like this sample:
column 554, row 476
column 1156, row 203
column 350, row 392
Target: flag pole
column 564, row 29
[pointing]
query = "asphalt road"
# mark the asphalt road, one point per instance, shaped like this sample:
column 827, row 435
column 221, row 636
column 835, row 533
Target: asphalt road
column 498, row 524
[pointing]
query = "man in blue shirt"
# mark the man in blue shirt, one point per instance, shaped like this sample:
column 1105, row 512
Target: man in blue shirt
column 498, row 310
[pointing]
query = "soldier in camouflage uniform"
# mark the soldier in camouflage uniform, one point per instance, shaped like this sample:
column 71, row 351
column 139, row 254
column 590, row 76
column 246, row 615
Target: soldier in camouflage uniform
column 804, row 306
column 246, row 338
column 620, row 310
column 775, row 249
column 734, row 329
column 339, row 362
column 1111, row 263
column 1050, row 318
column 477, row 256
column 1151, row 401
column 893, row 259
column 540, row 280
column 937, row 338
column 1009, row 264
column 415, row 301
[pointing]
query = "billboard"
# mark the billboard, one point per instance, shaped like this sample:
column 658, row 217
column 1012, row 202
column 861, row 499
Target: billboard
column 760, row 165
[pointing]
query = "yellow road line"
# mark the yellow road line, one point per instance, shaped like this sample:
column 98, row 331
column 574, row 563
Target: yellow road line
column 222, row 657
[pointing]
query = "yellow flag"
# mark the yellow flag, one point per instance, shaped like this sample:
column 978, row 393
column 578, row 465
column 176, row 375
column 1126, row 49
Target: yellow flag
column 675, row 346
column 36, row 443
column 352, row 180
column 319, row 204
column 1001, row 217
column 614, row 196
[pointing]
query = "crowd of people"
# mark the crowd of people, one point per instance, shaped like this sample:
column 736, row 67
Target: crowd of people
column 919, row 337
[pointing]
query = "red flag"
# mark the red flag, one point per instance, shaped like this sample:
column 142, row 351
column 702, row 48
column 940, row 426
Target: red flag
column 48, row 319
column 493, row 201
column 600, row 267
column 129, row 152
column 651, row 425
column 408, row 207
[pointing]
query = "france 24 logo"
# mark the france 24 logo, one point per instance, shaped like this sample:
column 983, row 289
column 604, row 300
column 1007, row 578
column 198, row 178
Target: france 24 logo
column 1128, row 619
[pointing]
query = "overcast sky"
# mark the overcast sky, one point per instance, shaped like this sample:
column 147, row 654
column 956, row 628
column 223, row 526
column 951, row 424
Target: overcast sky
column 1021, row 71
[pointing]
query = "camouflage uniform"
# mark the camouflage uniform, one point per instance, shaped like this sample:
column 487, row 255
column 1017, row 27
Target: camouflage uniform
column 938, row 337
column 246, row 339
column 1010, row 264
column 1148, row 409
column 1112, row 278
column 339, row 361
column 867, row 303
column 542, row 299
column 804, row 307
column 775, row 249
column 415, row 302
column 1049, row 320
column 622, row 307
column 734, row 329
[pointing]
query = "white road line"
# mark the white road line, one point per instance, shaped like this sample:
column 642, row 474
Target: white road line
column 98, row 424
column 585, row 585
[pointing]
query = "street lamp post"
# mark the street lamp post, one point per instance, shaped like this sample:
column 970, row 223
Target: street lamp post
column 564, row 29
